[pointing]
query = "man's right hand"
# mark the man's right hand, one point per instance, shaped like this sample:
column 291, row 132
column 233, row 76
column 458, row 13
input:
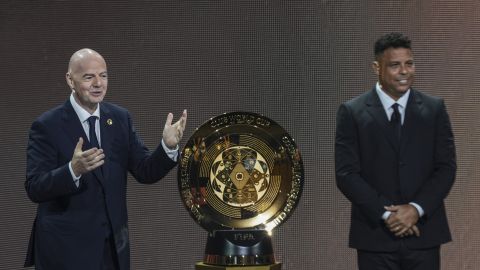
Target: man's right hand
column 412, row 231
column 397, row 225
column 86, row 161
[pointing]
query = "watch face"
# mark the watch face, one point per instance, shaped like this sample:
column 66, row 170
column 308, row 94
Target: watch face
column 240, row 171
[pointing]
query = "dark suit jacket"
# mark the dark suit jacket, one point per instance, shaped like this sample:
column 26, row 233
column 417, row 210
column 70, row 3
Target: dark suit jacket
column 72, row 222
column 373, row 171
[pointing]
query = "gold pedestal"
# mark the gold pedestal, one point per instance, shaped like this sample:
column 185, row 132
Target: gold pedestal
column 202, row 266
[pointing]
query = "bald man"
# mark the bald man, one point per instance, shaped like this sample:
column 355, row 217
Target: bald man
column 78, row 156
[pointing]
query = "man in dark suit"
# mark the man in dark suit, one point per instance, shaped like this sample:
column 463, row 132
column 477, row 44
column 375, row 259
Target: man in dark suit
column 78, row 156
column 395, row 162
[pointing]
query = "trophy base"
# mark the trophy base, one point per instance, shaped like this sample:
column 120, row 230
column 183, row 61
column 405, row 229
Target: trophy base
column 239, row 248
column 203, row 266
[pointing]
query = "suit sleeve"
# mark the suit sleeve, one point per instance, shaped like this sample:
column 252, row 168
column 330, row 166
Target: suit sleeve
column 435, row 190
column 46, row 180
column 146, row 167
column 348, row 170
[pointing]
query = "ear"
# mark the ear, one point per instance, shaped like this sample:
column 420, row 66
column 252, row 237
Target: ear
column 376, row 67
column 69, row 79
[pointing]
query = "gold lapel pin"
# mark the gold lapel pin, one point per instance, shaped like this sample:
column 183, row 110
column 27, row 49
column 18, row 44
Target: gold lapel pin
column 109, row 122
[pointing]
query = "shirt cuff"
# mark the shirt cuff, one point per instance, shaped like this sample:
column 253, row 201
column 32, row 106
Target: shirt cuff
column 386, row 215
column 172, row 154
column 419, row 209
column 76, row 179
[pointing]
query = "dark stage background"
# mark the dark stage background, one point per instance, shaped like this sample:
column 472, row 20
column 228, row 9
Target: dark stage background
column 292, row 61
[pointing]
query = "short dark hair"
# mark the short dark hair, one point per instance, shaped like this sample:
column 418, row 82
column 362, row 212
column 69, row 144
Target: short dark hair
column 391, row 40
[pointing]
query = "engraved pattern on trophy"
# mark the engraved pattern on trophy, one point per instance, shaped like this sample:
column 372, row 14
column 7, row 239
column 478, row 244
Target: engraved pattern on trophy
column 239, row 176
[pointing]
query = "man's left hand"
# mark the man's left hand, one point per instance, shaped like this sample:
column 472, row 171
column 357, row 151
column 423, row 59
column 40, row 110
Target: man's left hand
column 172, row 134
column 402, row 219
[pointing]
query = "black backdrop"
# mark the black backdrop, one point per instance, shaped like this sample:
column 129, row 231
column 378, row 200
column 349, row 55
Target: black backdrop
column 292, row 61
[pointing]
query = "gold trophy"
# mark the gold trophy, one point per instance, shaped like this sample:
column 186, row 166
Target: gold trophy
column 240, row 176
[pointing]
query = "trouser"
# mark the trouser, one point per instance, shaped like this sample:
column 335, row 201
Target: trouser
column 402, row 259
column 110, row 260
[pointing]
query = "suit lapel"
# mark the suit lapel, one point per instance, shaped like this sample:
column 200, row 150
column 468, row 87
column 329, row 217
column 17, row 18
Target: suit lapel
column 412, row 121
column 376, row 110
column 72, row 126
column 106, row 135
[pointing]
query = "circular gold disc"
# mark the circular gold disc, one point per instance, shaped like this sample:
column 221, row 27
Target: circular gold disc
column 240, row 171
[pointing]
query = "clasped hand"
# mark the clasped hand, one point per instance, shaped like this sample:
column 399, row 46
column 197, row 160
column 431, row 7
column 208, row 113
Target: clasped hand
column 402, row 220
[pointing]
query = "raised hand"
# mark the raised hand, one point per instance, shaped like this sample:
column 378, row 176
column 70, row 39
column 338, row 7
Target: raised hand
column 86, row 161
column 172, row 134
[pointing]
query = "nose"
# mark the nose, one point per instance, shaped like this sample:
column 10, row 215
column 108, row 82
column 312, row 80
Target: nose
column 97, row 81
column 403, row 69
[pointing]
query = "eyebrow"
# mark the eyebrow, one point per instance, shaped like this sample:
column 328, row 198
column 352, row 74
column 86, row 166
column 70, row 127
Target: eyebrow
column 406, row 61
column 93, row 74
